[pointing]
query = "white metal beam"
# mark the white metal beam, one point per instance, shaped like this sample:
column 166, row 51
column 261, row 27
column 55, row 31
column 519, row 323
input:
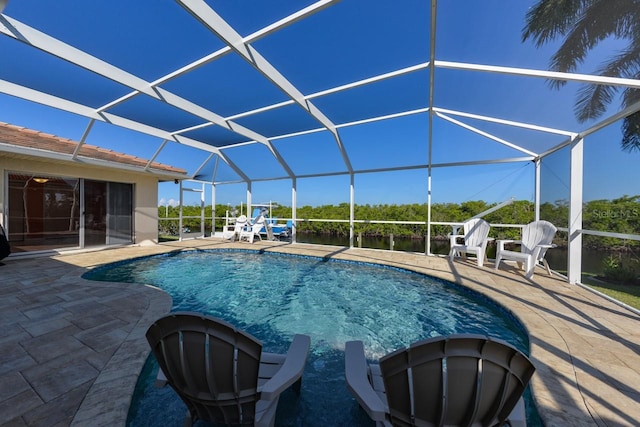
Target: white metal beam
column 209, row 18
column 82, row 110
column 472, row 67
column 504, row 122
column 215, row 169
column 203, row 164
column 552, row 75
column 486, row 134
column 23, row 92
column 85, row 135
column 282, row 23
column 339, row 126
column 23, row 33
column 156, row 154
column 396, row 169
column 263, row 32
column 336, row 89
column 633, row 108
column 35, row 38
column 385, row 117
column 195, row 109
column 303, row 13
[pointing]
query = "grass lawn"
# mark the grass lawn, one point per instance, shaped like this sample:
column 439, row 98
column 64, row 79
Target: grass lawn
column 628, row 294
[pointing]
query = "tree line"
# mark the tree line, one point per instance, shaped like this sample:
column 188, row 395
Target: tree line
column 620, row 215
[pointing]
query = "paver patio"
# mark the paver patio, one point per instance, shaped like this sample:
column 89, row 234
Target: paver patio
column 71, row 349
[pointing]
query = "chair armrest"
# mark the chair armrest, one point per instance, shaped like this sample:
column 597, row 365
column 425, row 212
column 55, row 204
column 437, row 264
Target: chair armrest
column 358, row 381
column 550, row 246
column 291, row 369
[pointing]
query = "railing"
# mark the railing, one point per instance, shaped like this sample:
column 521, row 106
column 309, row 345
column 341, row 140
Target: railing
column 174, row 230
column 170, row 227
column 558, row 259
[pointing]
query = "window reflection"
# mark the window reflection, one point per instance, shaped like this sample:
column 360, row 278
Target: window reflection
column 43, row 212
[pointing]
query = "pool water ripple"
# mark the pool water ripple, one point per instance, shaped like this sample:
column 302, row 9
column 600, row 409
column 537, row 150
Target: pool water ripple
column 275, row 296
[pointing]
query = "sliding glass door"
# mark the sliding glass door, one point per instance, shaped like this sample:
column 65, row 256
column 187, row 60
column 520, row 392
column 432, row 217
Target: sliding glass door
column 95, row 213
column 44, row 212
column 47, row 212
column 119, row 211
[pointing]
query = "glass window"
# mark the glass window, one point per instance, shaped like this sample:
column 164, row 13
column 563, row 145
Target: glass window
column 43, row 212
column 119, row 211
column 95, row 213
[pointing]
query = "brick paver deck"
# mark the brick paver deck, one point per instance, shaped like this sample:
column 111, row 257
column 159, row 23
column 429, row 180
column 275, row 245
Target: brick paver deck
column 71, row 349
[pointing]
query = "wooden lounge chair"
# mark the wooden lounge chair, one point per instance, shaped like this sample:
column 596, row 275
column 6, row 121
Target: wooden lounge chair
column 220, row 372
column 536, row 239
column 456, row 380
column 474, row 240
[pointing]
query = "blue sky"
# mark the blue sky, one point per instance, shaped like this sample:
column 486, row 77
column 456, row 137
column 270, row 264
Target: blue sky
column 346, row 42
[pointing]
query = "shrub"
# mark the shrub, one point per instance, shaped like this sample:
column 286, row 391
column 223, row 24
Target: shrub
column 618, row 271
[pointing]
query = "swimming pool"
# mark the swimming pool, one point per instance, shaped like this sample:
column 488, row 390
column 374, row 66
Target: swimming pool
column 274, row 296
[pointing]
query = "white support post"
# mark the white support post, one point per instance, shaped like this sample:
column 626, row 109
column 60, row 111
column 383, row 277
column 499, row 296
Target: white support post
column 536, row 202
column 351, row 209
column 180, row 216
column 432, row 58
column 574, row 262
column 428, row 245
column 249, row 200
column 213, row 209
column 294, row 201
column 202, row 210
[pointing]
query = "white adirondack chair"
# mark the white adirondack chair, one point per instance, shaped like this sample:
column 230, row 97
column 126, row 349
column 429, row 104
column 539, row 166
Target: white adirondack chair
column 240, row 225
column 254, row 230
column 536, row 239
column 474, row 240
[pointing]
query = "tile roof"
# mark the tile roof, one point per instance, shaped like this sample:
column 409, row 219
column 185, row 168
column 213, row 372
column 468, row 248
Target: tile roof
column 33, row 139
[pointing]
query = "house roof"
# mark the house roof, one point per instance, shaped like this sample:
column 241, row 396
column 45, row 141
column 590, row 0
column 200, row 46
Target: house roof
column 39, row 143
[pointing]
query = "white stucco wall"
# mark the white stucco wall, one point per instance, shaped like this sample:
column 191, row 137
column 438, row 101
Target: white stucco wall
column 145, row 188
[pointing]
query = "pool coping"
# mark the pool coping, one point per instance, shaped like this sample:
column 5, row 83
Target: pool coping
column 585, row 348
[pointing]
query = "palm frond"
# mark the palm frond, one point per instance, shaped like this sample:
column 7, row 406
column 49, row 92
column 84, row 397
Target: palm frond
column 628, row 20
column 548, row 19
column 600, row 20
column 631, row 124
column 585, row 23
column 631, row 96
column 593, row 99
column 631, row 133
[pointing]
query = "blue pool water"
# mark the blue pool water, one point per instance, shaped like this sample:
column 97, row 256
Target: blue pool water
column 275, row 296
